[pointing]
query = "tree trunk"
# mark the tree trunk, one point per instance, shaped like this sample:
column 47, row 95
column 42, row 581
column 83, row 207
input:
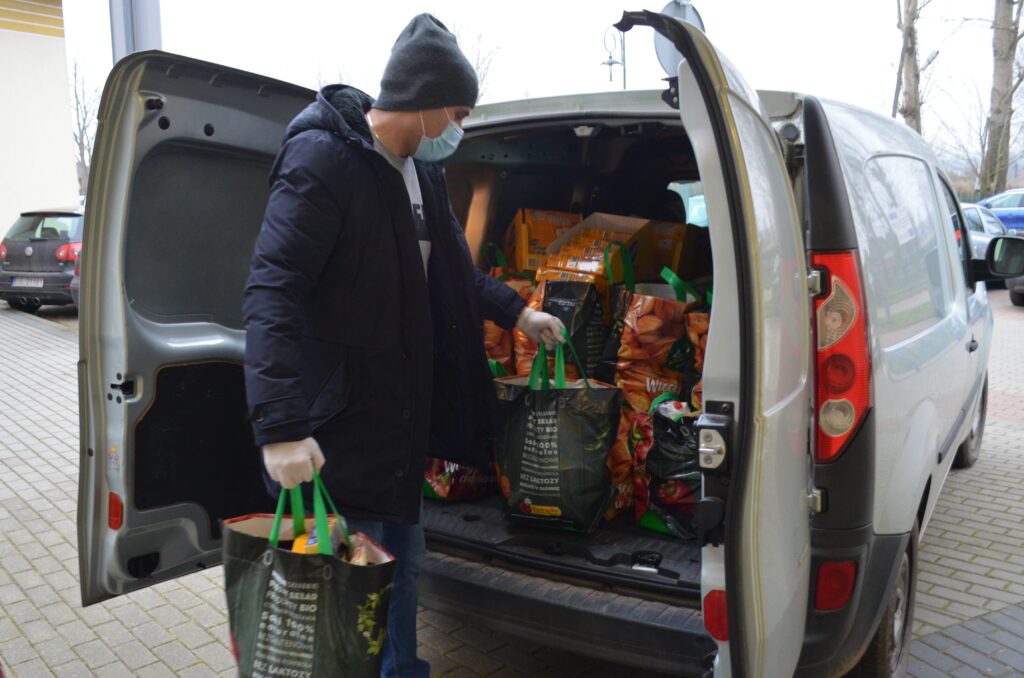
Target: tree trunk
column 911, row 73
column 997, row 139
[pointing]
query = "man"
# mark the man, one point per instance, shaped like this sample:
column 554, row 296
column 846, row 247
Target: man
column 364, row 345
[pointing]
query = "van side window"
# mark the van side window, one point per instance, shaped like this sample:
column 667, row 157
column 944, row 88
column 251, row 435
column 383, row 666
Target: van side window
column 910, row 264
column 963, row 244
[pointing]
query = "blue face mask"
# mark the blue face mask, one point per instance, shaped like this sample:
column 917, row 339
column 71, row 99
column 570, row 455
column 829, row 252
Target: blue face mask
column 440, row 147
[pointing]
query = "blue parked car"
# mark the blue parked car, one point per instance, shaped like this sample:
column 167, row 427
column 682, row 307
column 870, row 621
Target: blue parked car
column 1009, row 207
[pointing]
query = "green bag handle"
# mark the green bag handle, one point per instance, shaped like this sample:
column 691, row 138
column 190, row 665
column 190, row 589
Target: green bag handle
column 559, row 366
column 499, row 256
column 539, row 370
column 682, row 288
column 342, row 523
column 628, row 277
column 497, row 369
column 298, row 514
column 522, row 276
column 323, row 545
column 660, row 399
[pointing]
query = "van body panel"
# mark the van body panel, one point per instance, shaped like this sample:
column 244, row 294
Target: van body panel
column 916, row 306
column 770, row 545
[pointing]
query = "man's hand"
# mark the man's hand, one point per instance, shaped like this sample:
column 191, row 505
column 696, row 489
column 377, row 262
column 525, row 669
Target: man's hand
column 540, row 326
column 292, row 463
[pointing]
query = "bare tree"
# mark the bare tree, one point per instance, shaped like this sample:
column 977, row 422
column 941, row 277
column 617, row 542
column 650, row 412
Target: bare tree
column 480, row 55
column 1007, row 75
column 908, row 75
column 321, row 82
column 86, row 102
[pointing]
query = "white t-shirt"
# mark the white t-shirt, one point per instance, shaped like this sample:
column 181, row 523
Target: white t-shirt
column 412, row 184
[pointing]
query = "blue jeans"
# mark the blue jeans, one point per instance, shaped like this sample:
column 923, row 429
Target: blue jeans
column 406, row 544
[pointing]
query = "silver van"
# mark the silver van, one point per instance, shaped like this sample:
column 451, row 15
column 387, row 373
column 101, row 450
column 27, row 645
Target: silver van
column 845, row 371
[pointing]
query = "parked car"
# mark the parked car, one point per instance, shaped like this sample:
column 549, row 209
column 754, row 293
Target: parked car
column 1009, row 207
column 37, row 258
column 982, row 226
column 827, row 432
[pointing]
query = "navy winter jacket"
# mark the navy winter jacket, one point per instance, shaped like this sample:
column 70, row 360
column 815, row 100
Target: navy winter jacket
column 345, row 339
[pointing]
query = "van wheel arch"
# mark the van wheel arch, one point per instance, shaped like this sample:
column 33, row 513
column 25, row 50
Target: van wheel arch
column 888, row 653
column 970, row 449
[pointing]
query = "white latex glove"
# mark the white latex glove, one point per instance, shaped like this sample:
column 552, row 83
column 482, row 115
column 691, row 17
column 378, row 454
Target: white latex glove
column 292, row 463
column 540, row 326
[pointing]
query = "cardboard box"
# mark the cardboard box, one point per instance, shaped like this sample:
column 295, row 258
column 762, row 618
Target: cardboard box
column 633, row 232
column 667, row 243
column 531, row 232
column 695, row 255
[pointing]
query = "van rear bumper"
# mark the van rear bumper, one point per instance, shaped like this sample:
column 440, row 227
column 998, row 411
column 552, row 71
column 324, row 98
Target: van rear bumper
column 592, row 622
column 835, row 641
column 55, row 289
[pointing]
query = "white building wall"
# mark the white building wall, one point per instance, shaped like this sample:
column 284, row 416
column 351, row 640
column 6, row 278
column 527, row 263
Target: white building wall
column 37, row 157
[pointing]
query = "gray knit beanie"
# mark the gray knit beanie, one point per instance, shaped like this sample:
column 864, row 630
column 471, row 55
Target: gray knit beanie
column 426, row 70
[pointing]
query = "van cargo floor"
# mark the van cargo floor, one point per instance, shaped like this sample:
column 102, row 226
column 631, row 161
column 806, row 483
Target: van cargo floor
column 616, row 554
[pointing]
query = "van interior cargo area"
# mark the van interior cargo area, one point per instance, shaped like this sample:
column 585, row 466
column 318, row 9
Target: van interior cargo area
column 627, row 167
column 616, row 555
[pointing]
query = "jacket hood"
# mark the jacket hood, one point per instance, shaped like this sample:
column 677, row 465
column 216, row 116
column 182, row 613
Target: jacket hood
column 339, row 109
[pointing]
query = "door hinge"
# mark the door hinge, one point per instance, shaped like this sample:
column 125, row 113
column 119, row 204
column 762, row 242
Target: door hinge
column 816, row 501
column 814, row 282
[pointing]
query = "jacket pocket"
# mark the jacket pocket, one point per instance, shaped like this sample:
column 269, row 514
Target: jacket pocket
column 333, row 397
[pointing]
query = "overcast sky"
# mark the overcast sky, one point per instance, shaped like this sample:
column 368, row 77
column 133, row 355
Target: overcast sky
column 846, row 50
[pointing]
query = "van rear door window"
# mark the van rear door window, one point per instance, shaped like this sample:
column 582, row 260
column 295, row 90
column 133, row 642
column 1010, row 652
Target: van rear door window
column 909, row 262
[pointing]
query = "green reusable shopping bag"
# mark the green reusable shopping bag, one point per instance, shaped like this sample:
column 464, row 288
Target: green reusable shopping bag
column 294, row 614
column 552, row 451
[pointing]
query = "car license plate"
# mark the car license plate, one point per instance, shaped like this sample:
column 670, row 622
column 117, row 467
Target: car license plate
column 26, row 282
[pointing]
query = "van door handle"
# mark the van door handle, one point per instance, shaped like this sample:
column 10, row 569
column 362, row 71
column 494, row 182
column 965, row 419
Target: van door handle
column 972, row 345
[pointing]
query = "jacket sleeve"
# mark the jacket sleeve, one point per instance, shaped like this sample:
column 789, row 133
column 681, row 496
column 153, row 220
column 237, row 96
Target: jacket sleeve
column 299, row 231
column 498, row 302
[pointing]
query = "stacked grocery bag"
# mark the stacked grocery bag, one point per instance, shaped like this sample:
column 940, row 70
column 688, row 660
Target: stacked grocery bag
column 634, row 295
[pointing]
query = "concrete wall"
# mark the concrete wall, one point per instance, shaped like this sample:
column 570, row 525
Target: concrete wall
column 37, row 157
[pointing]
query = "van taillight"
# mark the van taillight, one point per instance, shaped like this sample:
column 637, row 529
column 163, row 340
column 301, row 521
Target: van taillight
column 716, row 620
column 115, row 511
column 843, row 368
column 834, row 585
column 69, row 252
column 3, row 252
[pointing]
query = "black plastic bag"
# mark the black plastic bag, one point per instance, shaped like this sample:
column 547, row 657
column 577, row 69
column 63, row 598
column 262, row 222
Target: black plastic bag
column 551, row 453
column 578, row 306
column 667, row 479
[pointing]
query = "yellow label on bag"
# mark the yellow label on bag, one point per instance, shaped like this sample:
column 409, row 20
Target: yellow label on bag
column 547, row 511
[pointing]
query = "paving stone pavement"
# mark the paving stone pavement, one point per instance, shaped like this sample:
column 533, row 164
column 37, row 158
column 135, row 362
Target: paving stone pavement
column 970, row 606
column 970, row 590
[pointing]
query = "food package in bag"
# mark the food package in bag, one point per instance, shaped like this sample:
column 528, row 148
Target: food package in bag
column 666, row 470
column 526, row 348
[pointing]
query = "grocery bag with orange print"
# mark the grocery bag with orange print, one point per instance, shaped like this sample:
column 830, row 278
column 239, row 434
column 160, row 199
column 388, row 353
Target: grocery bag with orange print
column 551, row 453
column 499, row 342
column 655, row 356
